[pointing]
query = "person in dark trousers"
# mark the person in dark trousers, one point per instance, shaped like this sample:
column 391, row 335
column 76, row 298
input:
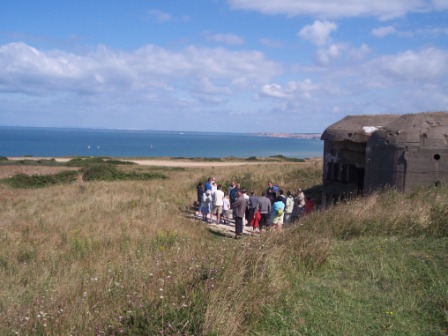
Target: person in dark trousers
column 253, row 206
column 200, row 192
column 264, row 206
column 233, row 195
column 239, row 208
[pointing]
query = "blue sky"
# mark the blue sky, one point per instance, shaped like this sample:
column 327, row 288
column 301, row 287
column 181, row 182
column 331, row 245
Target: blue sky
column 219, row 65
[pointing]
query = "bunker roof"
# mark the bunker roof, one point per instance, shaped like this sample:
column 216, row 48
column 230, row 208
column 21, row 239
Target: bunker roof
column 357, row 128
column 426, row 129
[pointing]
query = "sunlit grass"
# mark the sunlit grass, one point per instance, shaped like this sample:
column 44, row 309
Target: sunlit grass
column 126, row 257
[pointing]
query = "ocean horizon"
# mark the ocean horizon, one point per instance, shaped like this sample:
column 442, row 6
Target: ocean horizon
column 67, row 142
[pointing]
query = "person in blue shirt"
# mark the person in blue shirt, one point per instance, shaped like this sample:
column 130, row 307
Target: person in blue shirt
column 277, row 214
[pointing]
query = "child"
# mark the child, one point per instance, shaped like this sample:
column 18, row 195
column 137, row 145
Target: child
column 225, row 209
column 255, row 220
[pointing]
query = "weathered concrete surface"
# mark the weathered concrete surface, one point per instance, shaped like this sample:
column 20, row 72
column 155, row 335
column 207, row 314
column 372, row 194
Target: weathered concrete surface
column 364, row 153
column 356, row 128
column 345, row 154
column 409, row 152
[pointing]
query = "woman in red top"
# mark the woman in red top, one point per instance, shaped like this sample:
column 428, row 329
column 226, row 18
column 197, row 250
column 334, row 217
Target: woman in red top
column 309, row 206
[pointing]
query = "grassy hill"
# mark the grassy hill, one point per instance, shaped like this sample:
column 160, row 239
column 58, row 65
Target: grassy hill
column 122, row 256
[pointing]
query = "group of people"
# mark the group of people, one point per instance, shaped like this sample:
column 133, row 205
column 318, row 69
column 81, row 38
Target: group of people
column 270, row 210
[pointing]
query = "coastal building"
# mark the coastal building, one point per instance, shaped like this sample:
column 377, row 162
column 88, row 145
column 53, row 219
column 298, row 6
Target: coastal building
column 368, row 152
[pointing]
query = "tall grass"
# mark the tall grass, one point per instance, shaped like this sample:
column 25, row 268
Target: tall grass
column 126, row 258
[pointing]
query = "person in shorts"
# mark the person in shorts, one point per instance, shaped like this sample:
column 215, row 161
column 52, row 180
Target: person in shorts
column 277, row 214
column 218, row 200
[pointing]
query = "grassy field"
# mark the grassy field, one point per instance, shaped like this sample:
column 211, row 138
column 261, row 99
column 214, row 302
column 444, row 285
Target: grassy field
column 123, row 256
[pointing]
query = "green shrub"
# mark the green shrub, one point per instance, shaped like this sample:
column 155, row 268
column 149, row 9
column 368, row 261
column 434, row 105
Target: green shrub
column 25, row 162
column 284, row 158
column 39, row 181
column 84, row 162
column 106, row 172
column 246, row 181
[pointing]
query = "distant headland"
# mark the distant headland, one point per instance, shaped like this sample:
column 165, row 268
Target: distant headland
column 307, row 136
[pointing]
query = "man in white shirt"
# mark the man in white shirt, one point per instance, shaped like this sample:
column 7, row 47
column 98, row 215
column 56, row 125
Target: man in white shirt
column 218, row 199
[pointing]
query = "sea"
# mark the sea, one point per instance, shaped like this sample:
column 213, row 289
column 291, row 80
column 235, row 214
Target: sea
column 67, row 142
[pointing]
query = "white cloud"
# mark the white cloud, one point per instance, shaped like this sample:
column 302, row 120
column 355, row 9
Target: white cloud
column 292, row 90
column 319, row 32
column 328, row 55
column 159, row 15
column 427, row 65
column 432, row 32
column 407, row 82
column 206, row 86
column 440, row 4
column 230, row 39
column 273, row 90
column 325, row 56
column 384, row 9
column 28, row 70
column 383, row 31
column 358, row 54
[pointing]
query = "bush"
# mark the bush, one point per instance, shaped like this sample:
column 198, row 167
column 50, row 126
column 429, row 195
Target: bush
column 25, row 162
column 40, row 181
column 105, row 172
column 284, row 158
column 246, row 181
column 84, row 162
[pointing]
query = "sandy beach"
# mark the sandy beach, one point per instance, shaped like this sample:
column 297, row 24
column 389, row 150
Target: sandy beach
column 158, row 162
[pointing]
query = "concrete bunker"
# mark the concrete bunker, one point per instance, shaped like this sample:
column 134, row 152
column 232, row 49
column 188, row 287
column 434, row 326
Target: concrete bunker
column 368, row 152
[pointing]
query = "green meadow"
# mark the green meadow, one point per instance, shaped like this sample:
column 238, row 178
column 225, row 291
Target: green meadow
column 118, row 252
